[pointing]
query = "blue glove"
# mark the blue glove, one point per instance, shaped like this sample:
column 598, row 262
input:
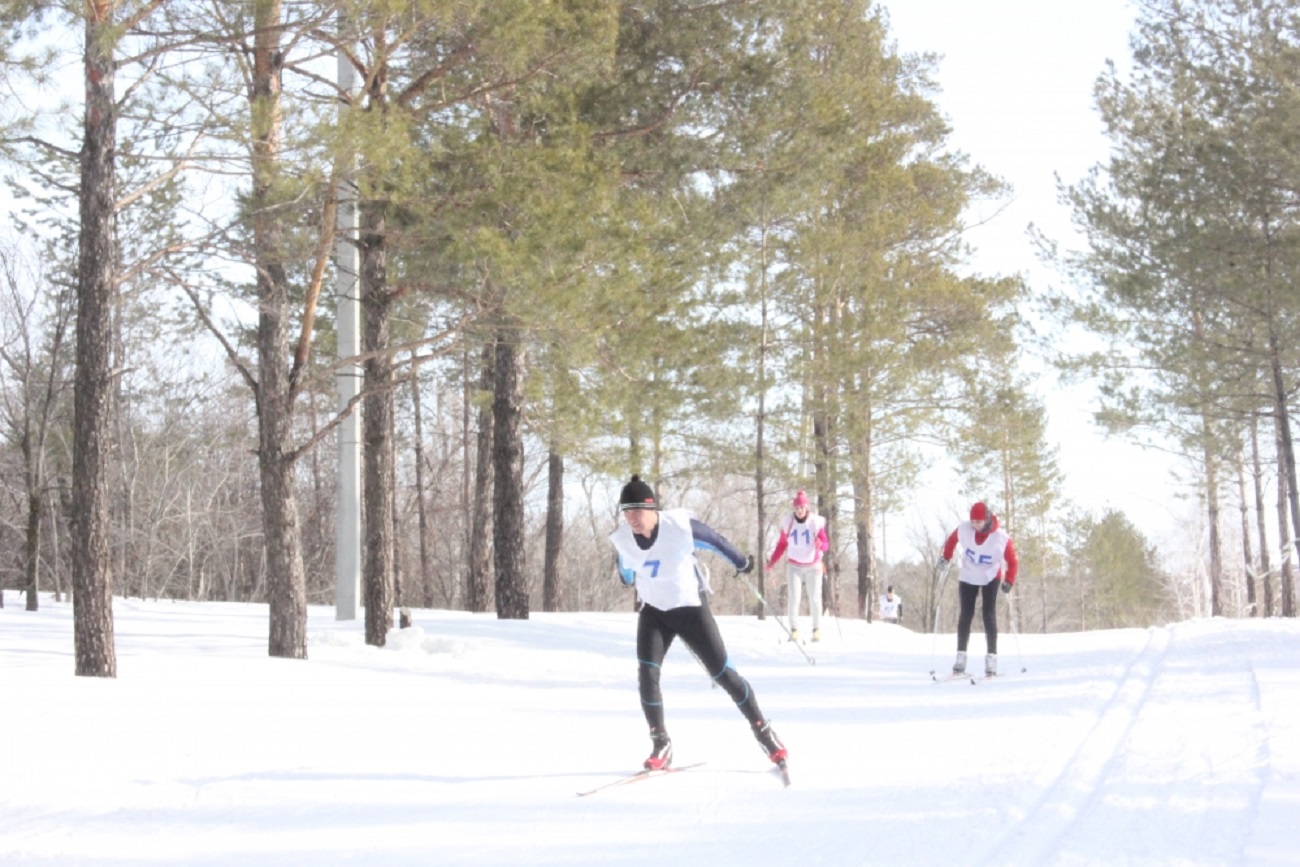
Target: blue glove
column 1006, row 588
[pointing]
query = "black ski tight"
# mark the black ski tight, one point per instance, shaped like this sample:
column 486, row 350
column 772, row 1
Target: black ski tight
column 967, row 593
column 655, row 631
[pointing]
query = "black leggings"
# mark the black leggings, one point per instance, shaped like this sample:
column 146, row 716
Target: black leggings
column 655, row 631
column 967, row 593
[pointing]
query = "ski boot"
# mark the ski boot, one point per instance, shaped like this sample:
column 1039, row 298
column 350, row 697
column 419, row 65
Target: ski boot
column 770, row 743
column 959, row 667
column 661, row 754
column 990, row 664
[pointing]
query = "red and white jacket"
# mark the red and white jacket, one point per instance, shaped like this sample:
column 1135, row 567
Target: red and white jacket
column 802, row 542
column 985, row 557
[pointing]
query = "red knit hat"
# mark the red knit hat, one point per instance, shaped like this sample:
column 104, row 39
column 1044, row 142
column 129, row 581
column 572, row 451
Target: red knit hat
column 800, row 499
column 978, row 513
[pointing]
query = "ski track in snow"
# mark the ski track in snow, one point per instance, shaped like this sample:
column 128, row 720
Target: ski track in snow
column 1072, row 786
column 1101, row 792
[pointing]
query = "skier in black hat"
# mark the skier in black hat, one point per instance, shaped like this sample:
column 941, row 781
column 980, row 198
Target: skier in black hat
column 656, row 554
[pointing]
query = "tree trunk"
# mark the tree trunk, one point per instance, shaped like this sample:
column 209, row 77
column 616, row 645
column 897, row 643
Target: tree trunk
column 60, row 510
column 285, row 577
column 825, row 430
column 1043, row 575
column 286, row 585
column 552, row 580
column 760, row 543
column 1216, row 547
column 1265, row 559
column 476, row 576
column 376, row 422
column 862, row 538
column 421, row 506
column 760, row 431
column 1283, row 497
column 92, row 402
column 1287, row 460
column 33, row 452
column 400, row 590
column 467, row 501
column 1247, row 556
column 863, row 517
column 824, row 468
column 508, row 478
column 32, row 538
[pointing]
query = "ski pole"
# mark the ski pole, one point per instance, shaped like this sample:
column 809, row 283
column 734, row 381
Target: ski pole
column 706, row 589
column 835, row 600
column 938, row 603
column 775, row 616
column 1015, row 633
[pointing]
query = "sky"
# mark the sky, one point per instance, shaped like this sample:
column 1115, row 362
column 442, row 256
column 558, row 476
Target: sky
column 1016, row 80
column 466, row 740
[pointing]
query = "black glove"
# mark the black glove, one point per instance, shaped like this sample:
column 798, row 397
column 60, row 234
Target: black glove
column 1006, row 588
column 748, row 567
column 942, row 564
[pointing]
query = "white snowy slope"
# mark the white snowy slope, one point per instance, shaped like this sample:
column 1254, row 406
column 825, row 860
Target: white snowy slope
column 465, row 741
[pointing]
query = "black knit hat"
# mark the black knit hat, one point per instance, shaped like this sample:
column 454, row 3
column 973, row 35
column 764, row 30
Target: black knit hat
column 637, row 495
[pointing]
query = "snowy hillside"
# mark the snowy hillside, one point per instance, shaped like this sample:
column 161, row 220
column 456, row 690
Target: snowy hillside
column 465, row 741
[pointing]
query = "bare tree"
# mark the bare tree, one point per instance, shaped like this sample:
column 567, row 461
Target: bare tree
column 33, row 349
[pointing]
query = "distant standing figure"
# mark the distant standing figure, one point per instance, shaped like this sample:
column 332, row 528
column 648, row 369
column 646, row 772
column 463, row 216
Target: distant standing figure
column 803, row 539
column 656, row 554
column 988, row 560
column 891, row 606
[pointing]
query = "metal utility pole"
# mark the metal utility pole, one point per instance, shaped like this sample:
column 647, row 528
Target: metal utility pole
column 347, row 515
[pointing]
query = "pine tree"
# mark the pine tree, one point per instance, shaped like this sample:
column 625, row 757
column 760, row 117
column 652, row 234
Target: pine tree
column 1191, row 240
column 867, row 204
column 1118, row 575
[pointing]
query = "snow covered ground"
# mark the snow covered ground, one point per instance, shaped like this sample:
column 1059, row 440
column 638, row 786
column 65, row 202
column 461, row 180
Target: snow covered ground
column 465, row 741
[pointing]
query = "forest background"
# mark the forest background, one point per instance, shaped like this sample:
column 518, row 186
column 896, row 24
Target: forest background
column 723, row 245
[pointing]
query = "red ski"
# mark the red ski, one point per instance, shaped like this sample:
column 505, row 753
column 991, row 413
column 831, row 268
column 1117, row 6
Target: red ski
column 639, row 776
